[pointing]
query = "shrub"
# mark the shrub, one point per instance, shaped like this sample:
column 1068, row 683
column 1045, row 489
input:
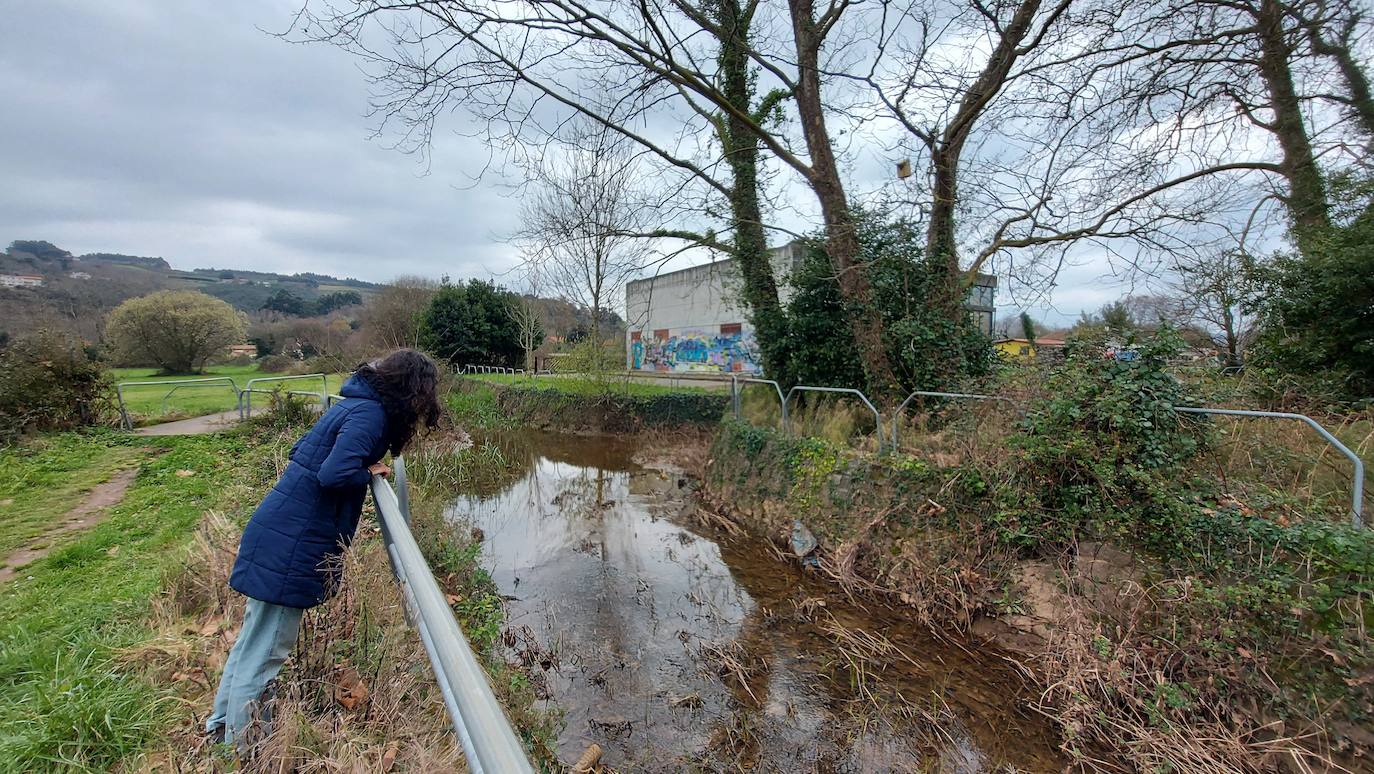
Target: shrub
column 1315, row 315
column 472, row 323
column 175, row 330
column 1097, row 446
column 48, row 382
column 276, row 364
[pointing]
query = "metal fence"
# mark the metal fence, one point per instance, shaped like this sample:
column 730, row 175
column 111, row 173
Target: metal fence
column 736, row 382
column 1357, row 477
column 243, row 397
column 489, row 741
column 246, row 398
column 177, row 384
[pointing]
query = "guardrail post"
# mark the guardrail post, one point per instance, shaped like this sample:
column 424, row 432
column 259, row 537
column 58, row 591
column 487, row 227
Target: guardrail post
column 877, row 417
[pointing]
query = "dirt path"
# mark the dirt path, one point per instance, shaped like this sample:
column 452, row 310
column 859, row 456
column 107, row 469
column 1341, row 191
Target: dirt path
column 193, row 426
column 84, row 516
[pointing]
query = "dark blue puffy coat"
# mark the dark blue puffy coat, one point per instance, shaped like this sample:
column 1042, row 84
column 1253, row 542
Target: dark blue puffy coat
column 289, row 551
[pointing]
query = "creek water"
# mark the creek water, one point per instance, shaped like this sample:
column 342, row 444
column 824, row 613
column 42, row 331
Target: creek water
column 676, row 649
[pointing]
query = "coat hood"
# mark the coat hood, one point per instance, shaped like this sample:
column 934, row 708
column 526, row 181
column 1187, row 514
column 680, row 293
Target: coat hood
column 357, row 387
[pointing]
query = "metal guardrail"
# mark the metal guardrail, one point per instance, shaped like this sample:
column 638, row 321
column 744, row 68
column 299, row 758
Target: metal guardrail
column 489, row 742
column 246, row 396
column 208, row 381
column 877, row 417
column 735, row 392
column 1357, row 487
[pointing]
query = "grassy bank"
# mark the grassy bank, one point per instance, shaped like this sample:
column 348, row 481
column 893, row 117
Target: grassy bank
column 66, row 700
column 483, row 402
column 1246, row 647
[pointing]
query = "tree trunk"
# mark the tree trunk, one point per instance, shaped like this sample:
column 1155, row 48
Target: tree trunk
column 741, row 148
column 947, row 152
column 1357, row 86
column 842, row 240
column 1306, row 200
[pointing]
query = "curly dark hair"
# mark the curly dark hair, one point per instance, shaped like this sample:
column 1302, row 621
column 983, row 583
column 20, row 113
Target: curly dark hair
column 408, row 384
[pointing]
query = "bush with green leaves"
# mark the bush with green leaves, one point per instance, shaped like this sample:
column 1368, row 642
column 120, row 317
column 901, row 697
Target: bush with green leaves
column 177, row 331
column 932, row 344
column 48, row 381
column 1316, row 314
column 1096, row 448
column 472, row 324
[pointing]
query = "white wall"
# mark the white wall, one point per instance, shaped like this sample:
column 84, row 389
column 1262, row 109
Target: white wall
column 690, row 306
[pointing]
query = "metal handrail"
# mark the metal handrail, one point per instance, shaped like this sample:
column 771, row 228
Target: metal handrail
column 735, row 393
column 1357, row 488
column 489, row 742
column 124, row 412
column 897, row 413
column 246, row 404
column 878, row 418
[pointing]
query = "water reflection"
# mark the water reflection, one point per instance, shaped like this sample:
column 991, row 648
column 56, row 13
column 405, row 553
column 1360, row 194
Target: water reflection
column 674, row 651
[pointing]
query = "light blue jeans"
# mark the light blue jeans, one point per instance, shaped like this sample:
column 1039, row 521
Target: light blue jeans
column 269, row 631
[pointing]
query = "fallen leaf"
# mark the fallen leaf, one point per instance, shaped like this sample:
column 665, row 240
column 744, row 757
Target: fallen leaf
column 453, row 599
column 185, row 473
column 112, row 551
column 209, row 627
column 349, row 689
column 5, row 503
column 389, row 757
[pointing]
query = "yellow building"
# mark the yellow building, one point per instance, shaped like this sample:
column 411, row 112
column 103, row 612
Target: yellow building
column 1022, row 349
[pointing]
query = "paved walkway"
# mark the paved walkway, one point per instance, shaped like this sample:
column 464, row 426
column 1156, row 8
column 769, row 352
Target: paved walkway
column 193, row 426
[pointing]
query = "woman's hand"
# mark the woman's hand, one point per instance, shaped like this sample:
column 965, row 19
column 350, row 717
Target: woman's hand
column 379, row 469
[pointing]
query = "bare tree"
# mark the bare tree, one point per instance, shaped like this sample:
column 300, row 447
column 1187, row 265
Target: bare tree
column 392, row 318
column 529, row 326
column 623, row 66
column 582, row 221
column 1211, row 292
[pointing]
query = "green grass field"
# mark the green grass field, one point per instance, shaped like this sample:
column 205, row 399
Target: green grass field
column 583, row 385
column 69, row 699
column 146, row 404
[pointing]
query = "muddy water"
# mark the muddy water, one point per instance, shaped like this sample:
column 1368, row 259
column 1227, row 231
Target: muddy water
column 676, row 649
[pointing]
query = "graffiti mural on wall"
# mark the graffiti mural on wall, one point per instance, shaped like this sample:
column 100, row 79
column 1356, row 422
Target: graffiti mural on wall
column 696, row 349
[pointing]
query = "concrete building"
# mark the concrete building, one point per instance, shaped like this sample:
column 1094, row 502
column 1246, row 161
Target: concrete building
column 21, row 281
column 694, row 320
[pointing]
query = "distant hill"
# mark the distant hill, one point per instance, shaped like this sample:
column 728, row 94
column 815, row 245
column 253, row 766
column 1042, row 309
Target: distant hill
column 79, row 290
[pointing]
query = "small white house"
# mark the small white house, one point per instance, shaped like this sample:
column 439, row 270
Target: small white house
column 21, row 281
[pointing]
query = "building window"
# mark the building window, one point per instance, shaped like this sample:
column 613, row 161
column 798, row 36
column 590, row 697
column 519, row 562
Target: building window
column 731, row 329
column 661, row 334
column 634, row 336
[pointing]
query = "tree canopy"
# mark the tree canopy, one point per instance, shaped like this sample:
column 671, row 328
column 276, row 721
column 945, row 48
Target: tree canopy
column 177, row 331
column 472, row 323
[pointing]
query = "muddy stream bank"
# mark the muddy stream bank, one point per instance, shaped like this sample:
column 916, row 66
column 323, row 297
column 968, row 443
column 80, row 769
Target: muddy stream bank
column 676, row 648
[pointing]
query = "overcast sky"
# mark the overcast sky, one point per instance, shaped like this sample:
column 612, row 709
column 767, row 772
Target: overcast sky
column 185, row 130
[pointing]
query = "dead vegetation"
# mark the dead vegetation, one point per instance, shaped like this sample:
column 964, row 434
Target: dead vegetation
column 355, row 695
column 1144, row 665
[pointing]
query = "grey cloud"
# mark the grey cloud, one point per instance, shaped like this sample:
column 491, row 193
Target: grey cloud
column 184, row 130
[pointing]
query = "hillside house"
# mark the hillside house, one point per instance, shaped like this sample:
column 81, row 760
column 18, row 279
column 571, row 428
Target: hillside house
column 243, row 350
column 21, row 281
